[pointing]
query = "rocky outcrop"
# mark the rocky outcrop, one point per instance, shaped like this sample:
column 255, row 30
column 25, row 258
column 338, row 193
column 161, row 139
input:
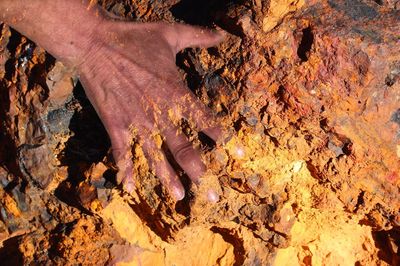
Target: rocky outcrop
column 310, row 91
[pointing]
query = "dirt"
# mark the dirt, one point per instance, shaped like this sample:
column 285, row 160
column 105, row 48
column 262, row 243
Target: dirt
column 310, row 91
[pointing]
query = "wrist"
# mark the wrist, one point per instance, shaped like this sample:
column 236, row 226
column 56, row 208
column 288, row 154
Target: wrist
column 75, row 43
column 73, row 39
column 64, row 28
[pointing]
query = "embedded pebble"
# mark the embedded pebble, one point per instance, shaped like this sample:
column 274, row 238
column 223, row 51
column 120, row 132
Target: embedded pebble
column 212, row 196
column 297, row 166
column 254, row 180
column 240, row 153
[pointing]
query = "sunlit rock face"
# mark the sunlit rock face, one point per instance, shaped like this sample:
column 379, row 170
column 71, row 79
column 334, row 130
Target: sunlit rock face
column 309, row 91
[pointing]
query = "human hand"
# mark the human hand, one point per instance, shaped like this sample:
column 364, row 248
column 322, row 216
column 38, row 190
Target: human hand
column 130, row 77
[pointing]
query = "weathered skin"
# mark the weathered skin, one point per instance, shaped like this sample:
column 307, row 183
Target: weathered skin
column 129, row 74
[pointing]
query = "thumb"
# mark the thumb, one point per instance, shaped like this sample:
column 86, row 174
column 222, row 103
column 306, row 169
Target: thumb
column 181, row 36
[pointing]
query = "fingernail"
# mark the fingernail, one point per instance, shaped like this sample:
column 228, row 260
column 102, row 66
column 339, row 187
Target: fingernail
column 212, row 196
column 221, row 32
column 129, row 186
column 179, row 194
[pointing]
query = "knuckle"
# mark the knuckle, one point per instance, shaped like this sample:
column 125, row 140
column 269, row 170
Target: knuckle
column 118, row 154
column 121, row 155
column 183, row 152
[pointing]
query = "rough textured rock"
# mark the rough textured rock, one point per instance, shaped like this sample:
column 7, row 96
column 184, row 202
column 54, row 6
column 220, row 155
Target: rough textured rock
column 310, row 91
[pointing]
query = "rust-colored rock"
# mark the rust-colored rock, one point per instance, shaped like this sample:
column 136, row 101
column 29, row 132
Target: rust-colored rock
column 310, row 91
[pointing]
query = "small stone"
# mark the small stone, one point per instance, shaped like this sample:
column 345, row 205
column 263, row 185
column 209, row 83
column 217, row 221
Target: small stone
column 58, row 120
column 336, row 149
column 221, row 157
column 3, row 232
column 36, row 160
column 253, row 180
column 103, row 196
column 297, row 166
column 252, row 121
column 238, row 175
column 20, row 199
column 45, row 216
column 3, row 178
column 96, row 175
column 239, row 152
column 244, row 110
column 86, row 194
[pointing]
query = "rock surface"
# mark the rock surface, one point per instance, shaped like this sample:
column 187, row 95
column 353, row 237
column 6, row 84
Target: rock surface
column 310, row 90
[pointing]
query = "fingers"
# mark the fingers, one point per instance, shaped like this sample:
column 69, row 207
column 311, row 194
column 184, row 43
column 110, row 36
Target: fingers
column 182, row 36
column 122, row 153
column 163, row 170
column 216, row 133
column 188, row 106
column 121, row 149
column 185, row 154
column 181, row 148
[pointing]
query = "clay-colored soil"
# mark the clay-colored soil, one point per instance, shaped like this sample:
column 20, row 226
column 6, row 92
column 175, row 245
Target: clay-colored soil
column 310, row 176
